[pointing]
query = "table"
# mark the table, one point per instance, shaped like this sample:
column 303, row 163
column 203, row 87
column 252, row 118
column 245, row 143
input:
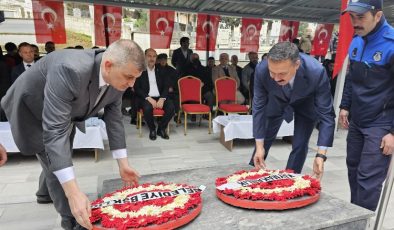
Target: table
column 241, row 127
column 327, row 213
column 92, row 139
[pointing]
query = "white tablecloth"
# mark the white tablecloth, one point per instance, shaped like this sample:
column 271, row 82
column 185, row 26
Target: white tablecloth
column 241, row 127
column 92, row 139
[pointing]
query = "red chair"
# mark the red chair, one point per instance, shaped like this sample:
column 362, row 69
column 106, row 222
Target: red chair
column 226, row 97
column 156, row 113
column 190, row 100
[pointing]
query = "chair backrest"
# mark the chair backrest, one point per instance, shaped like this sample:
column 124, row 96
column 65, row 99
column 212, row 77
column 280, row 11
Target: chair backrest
column 226, row 90
column 189, row 90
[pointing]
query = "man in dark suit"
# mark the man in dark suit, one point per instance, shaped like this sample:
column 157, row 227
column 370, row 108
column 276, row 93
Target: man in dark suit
column 26, row 51
column 56, row 95
column 152, row 92
column 181, row 57
column 292, row 83
column 195, row 69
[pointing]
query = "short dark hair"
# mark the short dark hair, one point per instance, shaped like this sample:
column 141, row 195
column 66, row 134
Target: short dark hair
column 49, row 42
column 283, row 51
column 211, row 58
column 10, row 46
column 184, row 39
column 162, row 56
column 23, row 44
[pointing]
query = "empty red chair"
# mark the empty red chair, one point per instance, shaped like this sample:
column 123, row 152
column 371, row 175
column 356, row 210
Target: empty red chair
column 226, row 97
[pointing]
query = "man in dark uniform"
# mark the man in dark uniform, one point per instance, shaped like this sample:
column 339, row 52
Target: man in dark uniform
column 369, row 96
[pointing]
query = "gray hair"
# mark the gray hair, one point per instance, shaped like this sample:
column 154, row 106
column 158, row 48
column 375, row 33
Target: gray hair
column 284, row 51
column 125, row 51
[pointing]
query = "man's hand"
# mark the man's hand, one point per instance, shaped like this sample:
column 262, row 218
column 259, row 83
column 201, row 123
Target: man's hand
column 79, row 203
column 318, row 168
column 258, row 158
column 3, row 155
column 128, row 174
column 343, row 118
column 387, row 144
column 152, row 102
column 160, row 103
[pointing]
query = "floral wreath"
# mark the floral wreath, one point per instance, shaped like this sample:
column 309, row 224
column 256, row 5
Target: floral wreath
column 127, row 208
column 270, row 185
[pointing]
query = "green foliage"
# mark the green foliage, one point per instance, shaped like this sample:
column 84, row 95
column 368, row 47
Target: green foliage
column 231, row 22
column 302, row 28
column 142, row 20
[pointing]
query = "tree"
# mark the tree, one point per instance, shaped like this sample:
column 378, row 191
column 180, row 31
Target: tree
column 141, row 21
column 231, row 22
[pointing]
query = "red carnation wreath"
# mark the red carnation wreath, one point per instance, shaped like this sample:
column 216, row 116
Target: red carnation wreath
column 268, row 189
column 148, row 206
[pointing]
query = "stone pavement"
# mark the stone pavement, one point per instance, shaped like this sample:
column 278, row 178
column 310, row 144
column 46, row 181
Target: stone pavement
column 19, row 177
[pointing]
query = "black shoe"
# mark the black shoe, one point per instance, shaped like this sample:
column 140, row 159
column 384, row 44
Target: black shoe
column 44, row 200
column 152, row 135
column 163, row 134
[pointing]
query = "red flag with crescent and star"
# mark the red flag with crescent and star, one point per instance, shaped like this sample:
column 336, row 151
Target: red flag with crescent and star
column 107, row 24
column 250, row 34
column 346, row 32
column 322, row 39
column 288, row 30
column 49, row 21
column 161, row 28
column 207, row 30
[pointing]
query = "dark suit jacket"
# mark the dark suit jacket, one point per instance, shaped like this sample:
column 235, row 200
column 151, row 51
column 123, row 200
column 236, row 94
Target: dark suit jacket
column 310, row 98
column 17, row 71
column 180, row 62
column 142, row 87
column 54, row 94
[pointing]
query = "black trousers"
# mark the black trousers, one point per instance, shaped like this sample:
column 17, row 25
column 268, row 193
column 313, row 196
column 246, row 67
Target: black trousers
column 169, row 111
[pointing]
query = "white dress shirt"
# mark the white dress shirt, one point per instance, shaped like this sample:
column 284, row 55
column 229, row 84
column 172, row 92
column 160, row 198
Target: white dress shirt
column 153, row 89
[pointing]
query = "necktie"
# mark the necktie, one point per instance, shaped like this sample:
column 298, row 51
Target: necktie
column 225, row 69
column 288, row 113
column 28, row 65
column 102, row 90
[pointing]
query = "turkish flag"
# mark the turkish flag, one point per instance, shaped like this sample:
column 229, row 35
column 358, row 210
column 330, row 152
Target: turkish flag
column 288, row 30
column 161, row 27
column 344, row 39
column 250, row 34
column 207, row 30
column 107, row 24
column 49, row 21
column 322, row 39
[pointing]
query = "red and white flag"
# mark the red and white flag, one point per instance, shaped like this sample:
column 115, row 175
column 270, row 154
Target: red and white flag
column 107, row 24
column 344, row 39
column 322, row 38
column 49, row 21
column 161, row 28
column 288, row 30
column 207, row 30
column 250, row 34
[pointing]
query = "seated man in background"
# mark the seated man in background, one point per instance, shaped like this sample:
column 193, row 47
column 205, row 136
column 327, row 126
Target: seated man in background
column 224, row 69
column 195, row 69
column 172, row 77
column 248, row 72
column 152, row 92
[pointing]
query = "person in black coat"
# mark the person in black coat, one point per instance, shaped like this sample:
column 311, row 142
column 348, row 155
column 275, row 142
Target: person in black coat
column 26, row 52
column 195, row 69
column 152, row 92
column 172, row 77
column 181, row 56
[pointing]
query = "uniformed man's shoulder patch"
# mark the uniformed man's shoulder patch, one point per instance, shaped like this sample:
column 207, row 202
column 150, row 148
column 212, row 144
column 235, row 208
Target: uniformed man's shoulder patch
column 377, row 56
column 354, row 52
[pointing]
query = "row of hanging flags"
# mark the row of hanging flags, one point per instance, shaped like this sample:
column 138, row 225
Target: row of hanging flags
column 49, row 25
